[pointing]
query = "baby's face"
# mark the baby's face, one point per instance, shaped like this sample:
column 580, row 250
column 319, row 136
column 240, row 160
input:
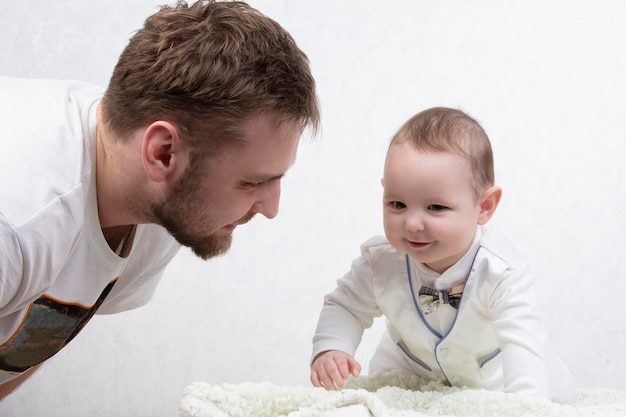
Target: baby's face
column 430, row 210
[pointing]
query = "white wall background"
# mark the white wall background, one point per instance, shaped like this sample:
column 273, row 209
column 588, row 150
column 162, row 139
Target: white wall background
column 547, row 79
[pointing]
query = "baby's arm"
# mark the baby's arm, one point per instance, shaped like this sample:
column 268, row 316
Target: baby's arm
column 330, row 369
column 347, row 312
column 529, row 363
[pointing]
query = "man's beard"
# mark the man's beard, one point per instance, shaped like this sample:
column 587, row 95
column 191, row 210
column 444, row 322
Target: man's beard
column 205, row 247
column 179, row 212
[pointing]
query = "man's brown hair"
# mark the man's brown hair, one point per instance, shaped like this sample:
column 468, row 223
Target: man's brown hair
column 207, row 68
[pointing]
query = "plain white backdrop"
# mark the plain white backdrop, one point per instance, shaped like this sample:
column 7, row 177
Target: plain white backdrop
column 547, row 80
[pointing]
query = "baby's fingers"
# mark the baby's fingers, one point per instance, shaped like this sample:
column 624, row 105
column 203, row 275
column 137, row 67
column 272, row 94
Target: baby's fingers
column 338, row 371
column 332, row 368
column 315, row 379
column 355, row 367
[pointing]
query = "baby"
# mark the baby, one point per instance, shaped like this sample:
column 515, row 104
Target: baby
column 458, row 298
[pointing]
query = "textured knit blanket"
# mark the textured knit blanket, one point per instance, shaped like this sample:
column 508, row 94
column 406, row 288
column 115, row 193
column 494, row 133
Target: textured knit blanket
column 394, row 394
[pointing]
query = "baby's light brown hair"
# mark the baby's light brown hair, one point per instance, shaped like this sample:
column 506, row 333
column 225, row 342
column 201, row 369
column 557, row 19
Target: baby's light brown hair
column 442, row 129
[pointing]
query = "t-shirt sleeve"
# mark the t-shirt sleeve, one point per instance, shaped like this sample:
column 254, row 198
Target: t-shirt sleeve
column 10, row 263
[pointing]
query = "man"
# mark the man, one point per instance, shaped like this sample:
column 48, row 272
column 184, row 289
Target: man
column 200, row 121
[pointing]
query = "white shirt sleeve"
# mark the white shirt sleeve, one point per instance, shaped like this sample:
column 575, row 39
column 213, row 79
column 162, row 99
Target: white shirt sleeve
column 10, row 263
column 521, row 334
column 348, row 310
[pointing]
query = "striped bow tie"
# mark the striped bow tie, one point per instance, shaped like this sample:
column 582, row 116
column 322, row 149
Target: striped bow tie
column 430, row 299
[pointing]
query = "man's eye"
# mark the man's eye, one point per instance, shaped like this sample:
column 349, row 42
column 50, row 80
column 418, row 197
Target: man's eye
column 397, row 205
column 436, row 207
column 249, row 185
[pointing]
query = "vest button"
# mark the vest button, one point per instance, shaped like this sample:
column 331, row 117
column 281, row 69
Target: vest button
column 443, row 353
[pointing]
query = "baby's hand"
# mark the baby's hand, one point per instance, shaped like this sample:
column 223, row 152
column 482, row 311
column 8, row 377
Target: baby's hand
column 330, row 369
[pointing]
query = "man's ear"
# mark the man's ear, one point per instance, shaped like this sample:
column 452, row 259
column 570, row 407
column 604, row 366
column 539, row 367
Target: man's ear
column 489, row 200
column 163, row 151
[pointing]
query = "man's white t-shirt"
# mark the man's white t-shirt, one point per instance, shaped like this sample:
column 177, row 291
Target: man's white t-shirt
column 56, row 268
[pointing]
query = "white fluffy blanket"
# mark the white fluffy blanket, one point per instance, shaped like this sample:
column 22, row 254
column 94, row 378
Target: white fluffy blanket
column 394, row 394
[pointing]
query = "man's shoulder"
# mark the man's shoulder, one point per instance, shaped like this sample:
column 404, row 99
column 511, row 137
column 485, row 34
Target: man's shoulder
column 48, row 159
column 40, row 105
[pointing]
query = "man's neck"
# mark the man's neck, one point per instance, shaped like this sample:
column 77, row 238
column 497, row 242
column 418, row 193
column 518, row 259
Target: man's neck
column 111, row 183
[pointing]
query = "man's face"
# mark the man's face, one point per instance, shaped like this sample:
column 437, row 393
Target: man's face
column 216, row 194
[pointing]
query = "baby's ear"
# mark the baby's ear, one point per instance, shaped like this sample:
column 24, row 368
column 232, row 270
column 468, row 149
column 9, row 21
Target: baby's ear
column 489, row 200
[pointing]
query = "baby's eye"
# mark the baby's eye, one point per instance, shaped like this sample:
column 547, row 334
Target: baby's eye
column 436, row 207
column 397, row 205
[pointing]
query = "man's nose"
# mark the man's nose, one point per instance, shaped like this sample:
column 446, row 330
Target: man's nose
column 269, row 200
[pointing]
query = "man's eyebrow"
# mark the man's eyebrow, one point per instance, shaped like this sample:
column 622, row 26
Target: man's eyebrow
column 261, row 179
